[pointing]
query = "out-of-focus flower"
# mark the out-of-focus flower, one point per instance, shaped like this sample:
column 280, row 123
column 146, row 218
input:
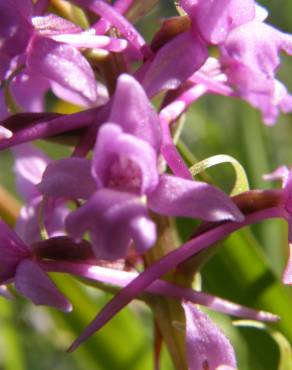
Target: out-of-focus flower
column 213, row 20
column 210, row 24
column 250, row 58
column 30, row 164
column 46, row 48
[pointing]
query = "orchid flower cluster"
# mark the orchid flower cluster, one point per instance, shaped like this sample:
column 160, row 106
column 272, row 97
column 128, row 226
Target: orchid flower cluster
column 102, row 213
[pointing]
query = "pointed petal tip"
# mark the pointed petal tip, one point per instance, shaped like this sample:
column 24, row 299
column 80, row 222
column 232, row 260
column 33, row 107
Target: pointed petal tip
column 287, row 279
column 125, row 77
column 287, row 274
column 91, row 329
column 206, row 345
column 128, row 80
column 4, row 292
column 238, row 216
column 5, row 133
column 67, row 308
column 175, row 196
column 33, row 283
column 268, row 316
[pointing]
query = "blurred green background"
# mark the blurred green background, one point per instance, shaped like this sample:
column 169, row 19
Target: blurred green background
column 247, row 268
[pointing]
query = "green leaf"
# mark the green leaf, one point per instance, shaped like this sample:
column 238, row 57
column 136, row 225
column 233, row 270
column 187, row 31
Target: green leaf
column 241, row 181
column 285, row 350
column 13, row 358
column 285, row 362
column 121, row 345
column 240, row 272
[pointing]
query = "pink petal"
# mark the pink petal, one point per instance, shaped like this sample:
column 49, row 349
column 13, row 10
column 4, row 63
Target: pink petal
column 89, row 40
column 28, row 222
column 4, row 292
column 281, row 173
column 52, row 24
column 24, row 6
column 216, row 18
column 40, row 7
column 206, row 346
column 37, row 87
column 132, row 110
column 168, row 148
column 261, row 13
column 110, row 14
column 171, row 65
column 113, row 219
column 287, row 275
column 102, row 26
column 63, row 64
column 250, row 58
column 71, row 96
column 15, row 27
column 12, row 251
column 68, row 178
column 34, row 284
column 29, row 166
column 124, row 161
column 175, row 196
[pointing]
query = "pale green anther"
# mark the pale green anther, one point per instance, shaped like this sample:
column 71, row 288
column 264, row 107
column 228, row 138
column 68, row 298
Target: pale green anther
column 241, row 182
column 285, row 362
